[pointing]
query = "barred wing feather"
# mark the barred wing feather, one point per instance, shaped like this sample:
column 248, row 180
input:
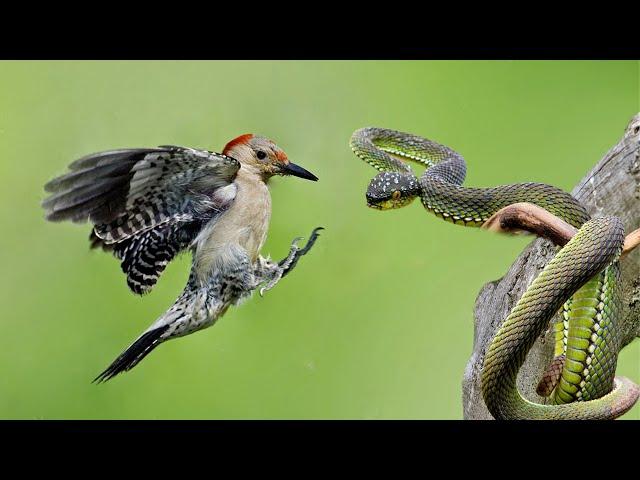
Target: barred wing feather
column 146, row 204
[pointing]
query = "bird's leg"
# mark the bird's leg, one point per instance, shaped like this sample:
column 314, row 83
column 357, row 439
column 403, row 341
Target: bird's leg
column 271, row 272
column 265, row 271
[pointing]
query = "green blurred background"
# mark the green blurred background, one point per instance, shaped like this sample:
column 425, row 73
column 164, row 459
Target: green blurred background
column 375, row 323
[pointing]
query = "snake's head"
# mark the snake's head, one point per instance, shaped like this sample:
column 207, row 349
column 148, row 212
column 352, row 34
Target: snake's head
column 390, row 190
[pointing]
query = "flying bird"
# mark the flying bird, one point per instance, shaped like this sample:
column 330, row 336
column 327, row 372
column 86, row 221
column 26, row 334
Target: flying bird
column 147, row 205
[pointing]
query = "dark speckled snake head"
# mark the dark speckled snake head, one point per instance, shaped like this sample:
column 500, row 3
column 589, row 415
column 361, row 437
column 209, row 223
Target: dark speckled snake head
column 389, row 190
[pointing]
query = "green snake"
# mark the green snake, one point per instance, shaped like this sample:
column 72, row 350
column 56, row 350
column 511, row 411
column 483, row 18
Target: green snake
column 583, row 279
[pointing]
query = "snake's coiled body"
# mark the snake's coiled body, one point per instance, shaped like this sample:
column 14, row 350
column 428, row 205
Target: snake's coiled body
column 584, row 274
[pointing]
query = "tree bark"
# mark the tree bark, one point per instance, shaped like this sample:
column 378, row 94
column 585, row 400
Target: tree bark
column 612, row 187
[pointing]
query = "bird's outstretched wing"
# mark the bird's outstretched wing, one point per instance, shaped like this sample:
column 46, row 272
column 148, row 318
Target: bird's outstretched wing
column 146, row 204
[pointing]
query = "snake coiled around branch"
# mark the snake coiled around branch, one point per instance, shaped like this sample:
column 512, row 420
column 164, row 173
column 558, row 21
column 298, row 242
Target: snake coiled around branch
column 583, row 279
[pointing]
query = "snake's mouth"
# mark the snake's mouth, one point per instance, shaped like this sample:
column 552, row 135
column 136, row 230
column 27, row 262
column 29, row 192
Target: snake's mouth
column 386, row 204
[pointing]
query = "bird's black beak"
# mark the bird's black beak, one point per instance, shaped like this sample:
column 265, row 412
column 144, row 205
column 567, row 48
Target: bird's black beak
column 297, row 171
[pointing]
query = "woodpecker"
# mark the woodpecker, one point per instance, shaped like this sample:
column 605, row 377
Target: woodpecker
column 147, row 205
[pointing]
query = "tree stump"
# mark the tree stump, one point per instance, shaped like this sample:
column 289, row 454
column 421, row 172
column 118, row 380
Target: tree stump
column 612, row 187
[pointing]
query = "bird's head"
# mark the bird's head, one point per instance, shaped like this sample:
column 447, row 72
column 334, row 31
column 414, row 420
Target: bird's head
column 389, row 190
column 264, row 156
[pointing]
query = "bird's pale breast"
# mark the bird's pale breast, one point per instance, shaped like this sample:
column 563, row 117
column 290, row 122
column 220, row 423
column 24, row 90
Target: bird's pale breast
column 242, row 227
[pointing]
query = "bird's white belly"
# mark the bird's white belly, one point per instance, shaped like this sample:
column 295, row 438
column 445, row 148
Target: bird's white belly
column 239, row 232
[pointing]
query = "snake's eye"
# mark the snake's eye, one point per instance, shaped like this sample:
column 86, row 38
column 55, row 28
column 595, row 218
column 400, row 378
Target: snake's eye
column 395, row 195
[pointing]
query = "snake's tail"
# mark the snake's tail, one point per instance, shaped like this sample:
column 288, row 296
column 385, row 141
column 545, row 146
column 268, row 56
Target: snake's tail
column 551, row 376
column 608, row 407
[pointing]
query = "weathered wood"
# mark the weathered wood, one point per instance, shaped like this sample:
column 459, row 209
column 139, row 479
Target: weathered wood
column 613, row 188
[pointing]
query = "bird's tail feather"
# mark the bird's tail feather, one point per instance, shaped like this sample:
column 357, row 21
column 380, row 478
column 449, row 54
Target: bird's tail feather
column 132, row 355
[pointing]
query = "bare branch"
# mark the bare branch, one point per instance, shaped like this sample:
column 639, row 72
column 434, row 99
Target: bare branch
column 529, row 218
column 526, row 217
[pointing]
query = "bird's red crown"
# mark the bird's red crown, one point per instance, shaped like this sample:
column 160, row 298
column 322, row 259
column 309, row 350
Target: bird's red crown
column 237, row 141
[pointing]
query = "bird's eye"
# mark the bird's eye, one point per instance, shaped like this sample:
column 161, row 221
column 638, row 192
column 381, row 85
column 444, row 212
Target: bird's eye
column 395, row 195
column 261, row 155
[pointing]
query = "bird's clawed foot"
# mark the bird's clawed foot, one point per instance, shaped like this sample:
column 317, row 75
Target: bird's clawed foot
column 287, row 264
column 295, row 253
